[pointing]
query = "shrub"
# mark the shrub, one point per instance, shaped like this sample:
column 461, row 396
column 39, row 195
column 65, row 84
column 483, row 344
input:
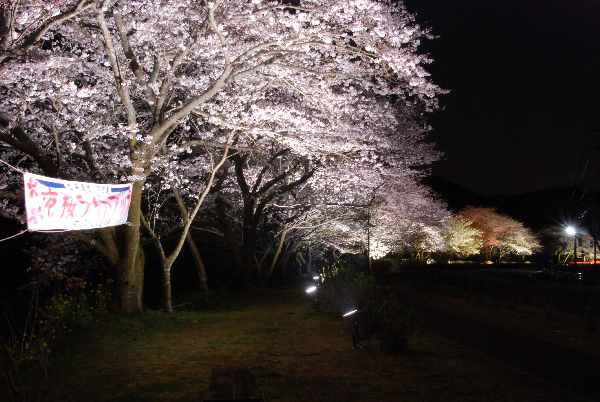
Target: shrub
column 391, row 321
column 382, row 266
column 346, row 288
column 24, row 355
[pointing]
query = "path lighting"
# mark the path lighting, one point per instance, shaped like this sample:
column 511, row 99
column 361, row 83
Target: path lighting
column 314, row 291
column 358, row 324
column 317, row 280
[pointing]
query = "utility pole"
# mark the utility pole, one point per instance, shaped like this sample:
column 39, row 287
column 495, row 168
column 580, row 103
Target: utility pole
column 369, row 239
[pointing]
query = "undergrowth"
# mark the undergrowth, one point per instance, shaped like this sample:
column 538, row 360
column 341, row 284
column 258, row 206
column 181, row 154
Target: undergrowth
column 345, row 288
column 28, row 344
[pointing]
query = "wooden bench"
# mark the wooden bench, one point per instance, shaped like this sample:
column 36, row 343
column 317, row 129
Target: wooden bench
column 232, row 384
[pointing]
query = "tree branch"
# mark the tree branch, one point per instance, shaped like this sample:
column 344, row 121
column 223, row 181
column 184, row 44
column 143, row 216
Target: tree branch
column 30, row 41
column 22, row 142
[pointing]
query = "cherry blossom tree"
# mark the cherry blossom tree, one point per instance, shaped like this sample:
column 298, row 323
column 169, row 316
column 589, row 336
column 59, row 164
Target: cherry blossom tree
column 499, row 234
column 461, row 237
column 411, row 219
column 400, row 216
column 263, row 185
column 121, row 90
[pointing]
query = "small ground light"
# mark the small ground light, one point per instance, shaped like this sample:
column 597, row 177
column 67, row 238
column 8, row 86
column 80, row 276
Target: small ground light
column 358, row 324
column 314, row 290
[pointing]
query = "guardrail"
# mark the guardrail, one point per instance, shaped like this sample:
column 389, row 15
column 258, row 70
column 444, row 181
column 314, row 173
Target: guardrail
column 574, row 273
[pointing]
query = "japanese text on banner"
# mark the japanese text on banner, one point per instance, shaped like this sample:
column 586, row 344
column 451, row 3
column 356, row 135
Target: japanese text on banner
column 54, row 204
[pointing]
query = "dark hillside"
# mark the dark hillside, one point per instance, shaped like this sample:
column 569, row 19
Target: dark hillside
column 456, row 197
column 537, row 210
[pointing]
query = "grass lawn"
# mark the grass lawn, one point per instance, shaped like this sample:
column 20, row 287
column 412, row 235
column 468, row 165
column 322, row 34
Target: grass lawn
column 297, row 353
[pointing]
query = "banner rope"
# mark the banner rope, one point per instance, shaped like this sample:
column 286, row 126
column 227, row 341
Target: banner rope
column 20, row 171
column 12, row 167
column 20, row 233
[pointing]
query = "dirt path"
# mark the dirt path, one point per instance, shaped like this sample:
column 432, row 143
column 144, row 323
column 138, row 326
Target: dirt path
column 568, row 368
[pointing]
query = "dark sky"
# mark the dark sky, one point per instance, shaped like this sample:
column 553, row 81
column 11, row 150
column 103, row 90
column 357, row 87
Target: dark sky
column 523, row 113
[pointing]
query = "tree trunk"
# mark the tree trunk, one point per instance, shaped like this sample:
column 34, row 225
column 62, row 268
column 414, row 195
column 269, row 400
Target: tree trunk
column 231, row 241
column 268, row 274
column 199, row 267
column 192, row 246
column 165, row 266
column 258, row 270
column 130, row 266
column 248, row 256
column 167, row 288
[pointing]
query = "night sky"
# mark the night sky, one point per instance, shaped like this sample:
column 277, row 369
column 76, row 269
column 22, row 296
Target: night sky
column 523, row 113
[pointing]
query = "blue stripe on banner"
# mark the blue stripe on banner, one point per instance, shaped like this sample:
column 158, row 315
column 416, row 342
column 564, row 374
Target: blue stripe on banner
column 119, row 189
column 51, row 184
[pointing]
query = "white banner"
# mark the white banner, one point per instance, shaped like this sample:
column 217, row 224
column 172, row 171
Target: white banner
column 54, row 204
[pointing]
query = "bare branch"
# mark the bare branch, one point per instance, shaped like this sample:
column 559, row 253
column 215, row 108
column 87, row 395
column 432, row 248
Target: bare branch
column 36, row 35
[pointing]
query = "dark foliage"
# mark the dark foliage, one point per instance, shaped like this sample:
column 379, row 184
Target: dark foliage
column 346, row 288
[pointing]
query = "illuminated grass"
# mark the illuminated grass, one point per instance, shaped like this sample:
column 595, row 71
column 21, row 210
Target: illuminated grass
column 295, row 352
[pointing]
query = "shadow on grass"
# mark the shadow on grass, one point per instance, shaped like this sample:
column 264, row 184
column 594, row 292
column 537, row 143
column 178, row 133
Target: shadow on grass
column 295, row 352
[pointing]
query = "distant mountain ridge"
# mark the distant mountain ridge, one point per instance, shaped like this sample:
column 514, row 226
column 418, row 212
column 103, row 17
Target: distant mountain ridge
column 537, row 210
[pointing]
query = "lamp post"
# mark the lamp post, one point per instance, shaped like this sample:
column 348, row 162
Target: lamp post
column 571, row 230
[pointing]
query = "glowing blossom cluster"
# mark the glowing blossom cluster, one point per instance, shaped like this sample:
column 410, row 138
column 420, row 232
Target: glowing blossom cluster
column 120, row 75
column 128, row 90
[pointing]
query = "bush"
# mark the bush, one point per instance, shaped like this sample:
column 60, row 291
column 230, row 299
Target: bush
column 346, row 288
column 382, row 266
column 24, row 355
column 391, row 322
column 409, row 264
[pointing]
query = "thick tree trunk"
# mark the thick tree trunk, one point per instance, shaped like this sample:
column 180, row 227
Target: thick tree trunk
column 130, row 266
column 248, row 258
column 130, row 281
column 167, row 289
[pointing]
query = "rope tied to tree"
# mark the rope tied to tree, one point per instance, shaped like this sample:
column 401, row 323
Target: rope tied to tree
column 20, row 233
column 12, row 167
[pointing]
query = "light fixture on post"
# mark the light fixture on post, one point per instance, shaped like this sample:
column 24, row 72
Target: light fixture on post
column 573, row 232
column 358, row 323
column 314, row 290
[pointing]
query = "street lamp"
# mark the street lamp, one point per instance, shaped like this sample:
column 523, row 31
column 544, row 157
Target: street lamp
column 572, row 231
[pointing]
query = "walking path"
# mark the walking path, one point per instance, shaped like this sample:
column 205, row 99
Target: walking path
column 565, row 367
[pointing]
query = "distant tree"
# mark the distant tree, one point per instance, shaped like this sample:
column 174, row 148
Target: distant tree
column 461, row 238
column 401, row 216
column 409, row 219
column 516, row 239
column 559, row 247
column 500, row 235
column 249, row 212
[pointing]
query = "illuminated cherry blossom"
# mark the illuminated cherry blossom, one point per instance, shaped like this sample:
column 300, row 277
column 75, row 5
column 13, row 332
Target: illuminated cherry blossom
column 121, row 91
